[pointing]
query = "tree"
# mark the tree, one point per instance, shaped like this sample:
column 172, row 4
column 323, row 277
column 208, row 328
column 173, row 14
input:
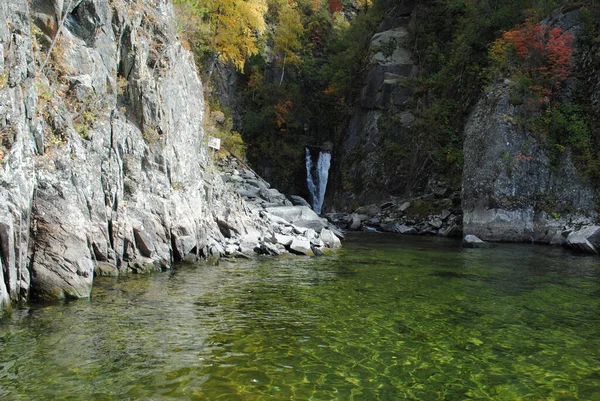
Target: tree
column 233, row 27
column 288, row 33
column 335, row 6
column 542, row 54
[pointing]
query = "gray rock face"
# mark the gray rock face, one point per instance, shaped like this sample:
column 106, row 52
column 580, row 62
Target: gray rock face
column 104, row 166
column 299, row 201
column 507, row 173
column 387, row 87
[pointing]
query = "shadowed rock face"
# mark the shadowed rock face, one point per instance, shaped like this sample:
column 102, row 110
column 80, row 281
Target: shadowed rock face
column 104, row 167
column 387, row 87
column 507, row 173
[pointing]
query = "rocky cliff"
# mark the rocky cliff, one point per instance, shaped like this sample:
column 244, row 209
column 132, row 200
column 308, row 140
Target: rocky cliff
column 104, row 166
column 517, row 184
column 515, row 188
column 366, row 171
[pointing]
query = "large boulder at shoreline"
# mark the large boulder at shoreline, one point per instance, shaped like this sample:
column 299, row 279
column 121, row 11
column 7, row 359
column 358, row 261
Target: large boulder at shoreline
column 301, row 246
column 585, row 240
column 330, row 239
column 516, row 187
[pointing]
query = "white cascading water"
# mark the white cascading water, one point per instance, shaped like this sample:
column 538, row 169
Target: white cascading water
column 316, row 178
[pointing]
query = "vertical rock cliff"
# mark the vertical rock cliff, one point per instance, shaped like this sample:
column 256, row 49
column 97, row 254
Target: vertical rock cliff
column 379, row 154
column 514, row 187
column 103, row 159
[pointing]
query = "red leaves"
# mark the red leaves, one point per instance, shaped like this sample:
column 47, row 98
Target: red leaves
column 544, row 53
column 335, row 6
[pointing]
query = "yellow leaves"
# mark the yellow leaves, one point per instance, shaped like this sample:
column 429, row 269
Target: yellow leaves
column 287, row 35
column 232, row 27
column 236, row 26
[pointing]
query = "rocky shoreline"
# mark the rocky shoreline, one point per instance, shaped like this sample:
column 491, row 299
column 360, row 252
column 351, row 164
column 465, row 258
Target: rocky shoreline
column 437, row 215
column 289, row 224
column 427, row 215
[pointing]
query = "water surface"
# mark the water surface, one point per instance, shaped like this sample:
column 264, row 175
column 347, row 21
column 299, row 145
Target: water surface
column 387, row 318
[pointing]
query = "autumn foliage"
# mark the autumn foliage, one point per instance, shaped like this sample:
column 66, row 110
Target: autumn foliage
column 540, row 53
column 282, row 114
column 335, row 6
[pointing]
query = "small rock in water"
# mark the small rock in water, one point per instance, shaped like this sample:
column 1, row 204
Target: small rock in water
column 355, row 222
column 472, row 241
column 330, row 239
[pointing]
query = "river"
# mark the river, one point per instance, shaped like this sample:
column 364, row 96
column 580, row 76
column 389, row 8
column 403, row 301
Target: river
column 386, row 318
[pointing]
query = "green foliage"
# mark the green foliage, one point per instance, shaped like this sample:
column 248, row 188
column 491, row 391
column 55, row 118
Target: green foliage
column 565, row 125
column 218, row 123
column 151, row 135
column 287, row 37
column 348, row 58
column 231, row 141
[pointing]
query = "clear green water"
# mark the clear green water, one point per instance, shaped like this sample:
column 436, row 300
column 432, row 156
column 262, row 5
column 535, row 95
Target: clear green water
column 387, row 318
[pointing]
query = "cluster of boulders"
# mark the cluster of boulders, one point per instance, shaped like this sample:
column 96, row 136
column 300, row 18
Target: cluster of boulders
column 429, row 215
column 289, row 225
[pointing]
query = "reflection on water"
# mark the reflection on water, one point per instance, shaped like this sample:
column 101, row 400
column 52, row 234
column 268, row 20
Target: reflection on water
column 387, row 318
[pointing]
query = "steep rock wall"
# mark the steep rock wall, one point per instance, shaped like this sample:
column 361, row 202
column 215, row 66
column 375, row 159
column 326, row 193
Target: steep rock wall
column 513, row 189
column 104, row 166
column 366, row 170
column 510, row 183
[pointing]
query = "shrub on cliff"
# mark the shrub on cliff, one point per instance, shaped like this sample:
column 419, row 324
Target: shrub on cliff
column 538, row 55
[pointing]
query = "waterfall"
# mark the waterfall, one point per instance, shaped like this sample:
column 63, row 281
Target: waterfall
column 316, row 178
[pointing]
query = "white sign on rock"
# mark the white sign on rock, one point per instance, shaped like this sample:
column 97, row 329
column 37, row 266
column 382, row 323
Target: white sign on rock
column 214, row 143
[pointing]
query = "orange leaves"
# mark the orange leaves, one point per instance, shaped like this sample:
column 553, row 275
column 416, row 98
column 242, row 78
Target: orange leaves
column 282, row 112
